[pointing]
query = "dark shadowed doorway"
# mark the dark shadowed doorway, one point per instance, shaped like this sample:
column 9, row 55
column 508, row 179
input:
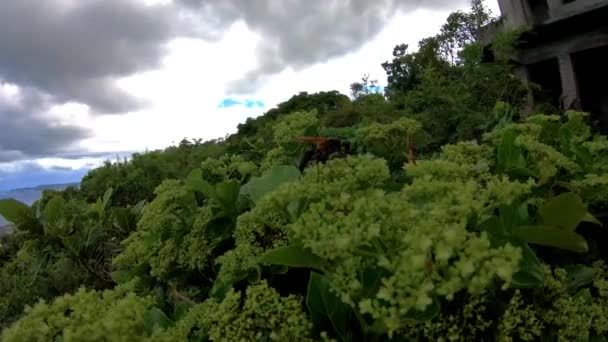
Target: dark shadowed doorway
column 591, row 67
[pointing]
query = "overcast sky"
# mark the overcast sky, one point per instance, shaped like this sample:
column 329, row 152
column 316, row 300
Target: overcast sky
column 81, row 81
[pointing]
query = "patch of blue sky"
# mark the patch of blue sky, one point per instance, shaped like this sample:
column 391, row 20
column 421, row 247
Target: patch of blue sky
column 248, row 103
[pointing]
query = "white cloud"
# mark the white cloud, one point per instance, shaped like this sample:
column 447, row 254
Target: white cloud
column 187, row 89
column 185, row 92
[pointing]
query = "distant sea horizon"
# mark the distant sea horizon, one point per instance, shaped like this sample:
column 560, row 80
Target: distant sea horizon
column 29, row 195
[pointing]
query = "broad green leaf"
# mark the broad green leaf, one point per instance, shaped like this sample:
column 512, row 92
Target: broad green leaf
column 579, row 275
column 14, row 211
column 584, row 296
column 227, row 194
column 155, row 318
column 137, row 208
column 219, row 289
column 123, row 219
column 509, row 155
column 260, row 186
column 582, row 154
column 565, row 137
column 591, row 219
column 221, row 286
column 530, row 274
column 195, row 182
column 279, row 269
column 564, row 211
column 496, row 230
column 193, row 179
column 294, row 209
column 121, row 276
column 514, row 215
column 53, row 211
column 324, row 305
column 106, row 197
column 180, row 311
column 293, row 256
column 552, row 237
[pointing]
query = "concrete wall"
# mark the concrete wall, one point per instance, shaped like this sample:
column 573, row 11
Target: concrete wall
column 514, row 12
column 518, row 13
column 559, row 10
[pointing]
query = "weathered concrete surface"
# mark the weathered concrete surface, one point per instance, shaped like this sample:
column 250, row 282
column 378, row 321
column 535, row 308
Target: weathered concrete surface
column 519, row 13
column 557, row 30
column 559, row 10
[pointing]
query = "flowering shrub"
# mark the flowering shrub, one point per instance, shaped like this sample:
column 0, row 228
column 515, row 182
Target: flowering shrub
column 485, row 241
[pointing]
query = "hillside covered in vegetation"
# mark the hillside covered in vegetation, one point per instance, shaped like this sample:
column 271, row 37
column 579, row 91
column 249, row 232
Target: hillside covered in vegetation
column 443, row 215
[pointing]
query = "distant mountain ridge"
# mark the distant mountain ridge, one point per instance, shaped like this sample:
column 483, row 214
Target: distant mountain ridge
column 30, row 195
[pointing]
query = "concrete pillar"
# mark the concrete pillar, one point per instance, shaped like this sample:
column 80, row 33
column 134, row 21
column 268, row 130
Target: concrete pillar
column 522, row 73
column 570, row 96
column 515, row 12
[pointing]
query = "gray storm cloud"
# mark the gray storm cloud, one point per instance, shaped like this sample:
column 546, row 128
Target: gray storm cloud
column 59, row 51
column 301, row 33
column 75, row 50
column 26, row 132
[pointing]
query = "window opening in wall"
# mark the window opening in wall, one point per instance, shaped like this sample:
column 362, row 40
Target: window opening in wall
column 591, row 72
column 546, row 78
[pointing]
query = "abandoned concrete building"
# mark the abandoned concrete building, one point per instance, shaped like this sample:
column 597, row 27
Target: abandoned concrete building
column 564, row 51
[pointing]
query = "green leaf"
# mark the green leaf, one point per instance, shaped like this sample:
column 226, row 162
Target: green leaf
column 195, row 182
column 278, row 269
column 227, row 194
column 106, row 197
column 137, row 208
column 222, row 285
column 180, row 311
column 260, row 186
column 496, row 230
column 591, row 219
column 293, row 256
column 552, row 237
column 121, row 276
column 219, row 289
column 123, row 219
column 584, row 296
column 582, row 154
column 530, row 274
column 564, row 211
column 324, row 305
column 155, row 318
column 294, row 209
column 509, row 155
column 514, row 215
column 14, row 211
column 579, row 275
column 53, row 211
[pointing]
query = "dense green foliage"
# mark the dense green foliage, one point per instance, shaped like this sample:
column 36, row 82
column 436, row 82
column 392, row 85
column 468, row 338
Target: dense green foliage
column 454, row 219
